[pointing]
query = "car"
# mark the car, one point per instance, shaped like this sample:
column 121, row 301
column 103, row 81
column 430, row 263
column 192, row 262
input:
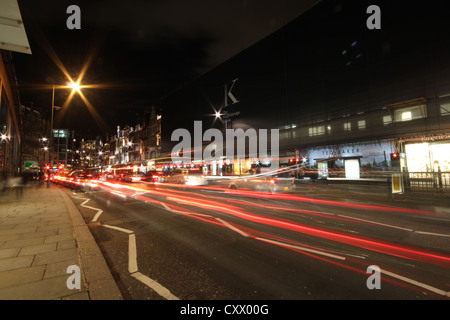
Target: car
column 134, row 177
column 60, row 177
column 80, row 180
column 69, row 179
column 87, row 181
column 263, row 182
column 187, row 177
column 155, row 176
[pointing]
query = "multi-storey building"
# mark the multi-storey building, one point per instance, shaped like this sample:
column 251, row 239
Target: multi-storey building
column 35, row 129
column 10, row 117
column 10, row 107
column 139, row 145
column 63, row 147
column 342, row 95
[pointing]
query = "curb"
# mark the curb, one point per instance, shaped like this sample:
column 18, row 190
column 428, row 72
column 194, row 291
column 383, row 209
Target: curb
column 99, row 280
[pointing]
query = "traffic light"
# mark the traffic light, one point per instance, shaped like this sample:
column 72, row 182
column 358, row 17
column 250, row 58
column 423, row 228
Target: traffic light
column 291, row 161
column 395, row 161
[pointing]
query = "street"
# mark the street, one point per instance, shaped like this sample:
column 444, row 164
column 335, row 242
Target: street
column 215, row 151
column 317, row 242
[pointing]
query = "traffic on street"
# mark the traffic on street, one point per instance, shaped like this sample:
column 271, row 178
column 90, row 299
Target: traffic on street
column 235, row 156
column 242, row 244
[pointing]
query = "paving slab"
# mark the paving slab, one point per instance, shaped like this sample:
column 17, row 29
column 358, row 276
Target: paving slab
column 42, row 234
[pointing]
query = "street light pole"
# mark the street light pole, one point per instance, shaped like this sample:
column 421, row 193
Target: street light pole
column 51, row 124
column 75, row 87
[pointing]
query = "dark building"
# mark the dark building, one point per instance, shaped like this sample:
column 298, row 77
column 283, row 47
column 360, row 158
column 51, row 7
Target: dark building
column 63, row 148
column 35, row 128
column 10, row 107
column 10, row 116
column 137, row 146
column 342, row 95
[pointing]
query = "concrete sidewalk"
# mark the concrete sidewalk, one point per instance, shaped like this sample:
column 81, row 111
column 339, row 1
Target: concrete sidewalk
column 42, row 233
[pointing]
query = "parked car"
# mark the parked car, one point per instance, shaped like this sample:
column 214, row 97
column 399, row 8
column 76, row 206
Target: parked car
column 187, row 177
column 262, row 182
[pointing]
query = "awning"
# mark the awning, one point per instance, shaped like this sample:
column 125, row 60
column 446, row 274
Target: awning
column 12, row 30
column 408, row 103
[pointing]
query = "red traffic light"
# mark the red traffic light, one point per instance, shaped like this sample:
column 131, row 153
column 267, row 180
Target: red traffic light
column 394, row 156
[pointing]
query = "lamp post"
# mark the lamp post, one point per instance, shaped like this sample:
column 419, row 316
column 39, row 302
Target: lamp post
column 51, row 125
column 75, row 87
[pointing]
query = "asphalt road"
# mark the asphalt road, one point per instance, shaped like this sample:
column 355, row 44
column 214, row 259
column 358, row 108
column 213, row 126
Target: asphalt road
column 315, row 243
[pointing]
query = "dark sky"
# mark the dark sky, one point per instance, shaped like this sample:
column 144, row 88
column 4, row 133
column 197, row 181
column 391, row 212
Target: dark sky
column 135, row 51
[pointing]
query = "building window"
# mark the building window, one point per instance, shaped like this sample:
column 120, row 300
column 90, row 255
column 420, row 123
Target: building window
column 60, row 133
column 362, row 124
column 445, row 109
column 347, row 126
column 406, row 116
column 316, row 131
column 410, row 113
column 387, row 120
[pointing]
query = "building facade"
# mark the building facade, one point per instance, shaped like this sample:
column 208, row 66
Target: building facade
column 343, row 97
column 63, row 148
column 138, row 146
column 10, row 117
column 35, row 128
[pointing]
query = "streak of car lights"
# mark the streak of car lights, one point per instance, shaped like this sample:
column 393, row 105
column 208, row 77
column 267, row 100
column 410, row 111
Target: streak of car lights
column 363, row 242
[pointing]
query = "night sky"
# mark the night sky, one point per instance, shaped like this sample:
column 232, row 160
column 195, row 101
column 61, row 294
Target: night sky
column 135, row 51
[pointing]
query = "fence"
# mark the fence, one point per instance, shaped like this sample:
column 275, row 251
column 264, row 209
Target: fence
column 427, row 181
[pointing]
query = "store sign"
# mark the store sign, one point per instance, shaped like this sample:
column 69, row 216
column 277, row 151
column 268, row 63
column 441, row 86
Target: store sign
column 230, row 98
column 31, row 165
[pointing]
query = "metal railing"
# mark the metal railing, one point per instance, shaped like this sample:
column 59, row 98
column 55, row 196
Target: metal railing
column 427, row 181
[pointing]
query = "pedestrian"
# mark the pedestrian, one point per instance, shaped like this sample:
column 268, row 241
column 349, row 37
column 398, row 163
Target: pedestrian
column 3, row 182
column 18, row 184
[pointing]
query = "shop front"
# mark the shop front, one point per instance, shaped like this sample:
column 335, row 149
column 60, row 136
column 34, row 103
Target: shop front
column 428, row 156
column 427, row 165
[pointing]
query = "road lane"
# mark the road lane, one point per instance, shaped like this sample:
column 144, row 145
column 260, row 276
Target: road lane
column 202, row 213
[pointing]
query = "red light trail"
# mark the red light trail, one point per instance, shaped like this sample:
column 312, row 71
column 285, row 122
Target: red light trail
column 376, row 245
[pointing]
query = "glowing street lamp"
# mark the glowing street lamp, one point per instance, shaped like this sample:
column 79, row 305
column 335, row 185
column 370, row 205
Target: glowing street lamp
column 76, row 87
